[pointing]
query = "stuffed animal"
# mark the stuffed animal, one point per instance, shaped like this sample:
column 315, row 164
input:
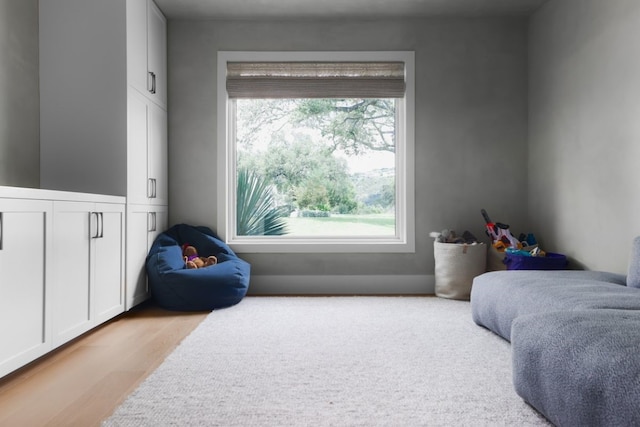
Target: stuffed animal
column 193, row 260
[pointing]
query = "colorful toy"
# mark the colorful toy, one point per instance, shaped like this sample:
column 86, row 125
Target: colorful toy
column 501, row 237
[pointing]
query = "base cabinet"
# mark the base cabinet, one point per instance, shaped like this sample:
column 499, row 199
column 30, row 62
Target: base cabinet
column 74, row 280
column 144, row 224
column 88, row 241
column 25, row 229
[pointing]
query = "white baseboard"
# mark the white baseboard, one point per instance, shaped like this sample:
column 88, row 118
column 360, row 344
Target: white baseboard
column 342, row 285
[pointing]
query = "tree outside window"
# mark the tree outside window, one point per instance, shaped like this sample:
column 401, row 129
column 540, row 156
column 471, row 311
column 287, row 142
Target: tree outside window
column 326, row 165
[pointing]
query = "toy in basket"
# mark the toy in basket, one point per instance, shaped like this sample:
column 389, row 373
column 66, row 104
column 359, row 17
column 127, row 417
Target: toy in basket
column 518, row 254
column 501, row 237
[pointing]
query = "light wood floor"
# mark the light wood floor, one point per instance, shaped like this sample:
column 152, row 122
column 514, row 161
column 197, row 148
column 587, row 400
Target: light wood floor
column 82, row 383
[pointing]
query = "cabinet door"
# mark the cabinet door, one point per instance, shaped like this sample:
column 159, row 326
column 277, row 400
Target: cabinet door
column 138, row 185
column 157, row 156
column 147, row 50
column 136, row 253
column 108, row 262
column 157, row 53
column 73, row 224
column 144, row 224
column 147, row 162
column 137, row 70
column 25, row 227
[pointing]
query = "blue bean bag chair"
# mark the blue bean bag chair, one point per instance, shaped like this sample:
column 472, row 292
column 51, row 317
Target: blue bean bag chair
column 175, row 287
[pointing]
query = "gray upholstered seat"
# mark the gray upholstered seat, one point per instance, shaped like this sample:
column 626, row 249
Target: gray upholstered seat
column 499, row 297
column 579, row 368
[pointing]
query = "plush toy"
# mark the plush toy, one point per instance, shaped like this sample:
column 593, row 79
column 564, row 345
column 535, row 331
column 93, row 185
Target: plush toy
column 193, row 260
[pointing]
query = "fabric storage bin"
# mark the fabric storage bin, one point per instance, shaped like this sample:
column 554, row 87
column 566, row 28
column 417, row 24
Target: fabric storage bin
column 551, row 261
column 455, row 267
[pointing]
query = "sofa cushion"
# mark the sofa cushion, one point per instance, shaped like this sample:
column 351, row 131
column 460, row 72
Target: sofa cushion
column 579, row 368
column 498, row 297
column 633, row 275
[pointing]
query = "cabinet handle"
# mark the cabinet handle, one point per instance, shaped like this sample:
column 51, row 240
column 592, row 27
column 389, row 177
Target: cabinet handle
column 151, row 221
column 1, row 229
column 151, row 188
column 151, row 82
column 101, row 235
column 91, row 222
column 99, row 225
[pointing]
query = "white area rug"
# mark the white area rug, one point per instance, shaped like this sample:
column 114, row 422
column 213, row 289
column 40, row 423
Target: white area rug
column 333, row 361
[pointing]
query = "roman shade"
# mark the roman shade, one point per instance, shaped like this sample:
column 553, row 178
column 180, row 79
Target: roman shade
column 315, row 79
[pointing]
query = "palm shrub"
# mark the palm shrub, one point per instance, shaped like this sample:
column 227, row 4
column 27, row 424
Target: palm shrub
column 257, row 214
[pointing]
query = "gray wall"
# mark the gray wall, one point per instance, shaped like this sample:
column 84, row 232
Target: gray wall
column 471, row 113
column 584, row 120
column 19, row 107
column 583, row 193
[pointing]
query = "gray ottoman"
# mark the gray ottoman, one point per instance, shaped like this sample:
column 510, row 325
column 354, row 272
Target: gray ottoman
column 498, row 297
column 579, row 368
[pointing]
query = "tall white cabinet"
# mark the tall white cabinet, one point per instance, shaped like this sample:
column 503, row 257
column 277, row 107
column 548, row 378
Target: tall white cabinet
column 103, row 114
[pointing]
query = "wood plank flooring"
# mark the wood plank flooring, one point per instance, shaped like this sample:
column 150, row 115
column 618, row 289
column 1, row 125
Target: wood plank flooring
column 81, row 383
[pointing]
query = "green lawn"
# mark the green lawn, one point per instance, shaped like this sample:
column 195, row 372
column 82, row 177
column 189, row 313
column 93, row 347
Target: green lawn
column 342, row 225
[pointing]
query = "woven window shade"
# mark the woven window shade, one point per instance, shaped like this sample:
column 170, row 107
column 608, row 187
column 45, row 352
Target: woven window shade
column 315, row 79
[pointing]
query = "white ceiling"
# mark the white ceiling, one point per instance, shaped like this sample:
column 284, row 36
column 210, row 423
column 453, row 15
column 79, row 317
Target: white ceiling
column 332, row 9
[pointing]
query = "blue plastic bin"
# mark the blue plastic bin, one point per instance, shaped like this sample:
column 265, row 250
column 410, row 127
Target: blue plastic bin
column 551, row 261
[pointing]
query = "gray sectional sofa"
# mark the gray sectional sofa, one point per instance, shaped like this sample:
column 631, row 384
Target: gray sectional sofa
column 575, row 339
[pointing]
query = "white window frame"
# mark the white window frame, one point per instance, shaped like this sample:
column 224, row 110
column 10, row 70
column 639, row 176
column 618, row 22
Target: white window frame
column 402, row 242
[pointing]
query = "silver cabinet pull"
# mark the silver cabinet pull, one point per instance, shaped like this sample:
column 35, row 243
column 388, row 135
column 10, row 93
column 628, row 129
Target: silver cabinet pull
column 151, row 82
column 1, row 229
column 101, row 234
column 151, row 221
column 99, row 221
column 151, row 188
column 92, row 221
column 95, row 221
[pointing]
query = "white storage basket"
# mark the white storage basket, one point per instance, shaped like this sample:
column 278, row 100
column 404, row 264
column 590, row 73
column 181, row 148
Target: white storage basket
column 455, row 267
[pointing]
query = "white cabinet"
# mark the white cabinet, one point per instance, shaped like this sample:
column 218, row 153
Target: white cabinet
column 108, row 262
column 71, row 267
column 61, row 269
column 145, row 223
column 88, row 264
column 25, row 228
column 148, row 163
column 147, row 50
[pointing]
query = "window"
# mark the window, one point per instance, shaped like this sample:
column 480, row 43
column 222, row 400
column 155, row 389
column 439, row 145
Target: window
column 315, row 151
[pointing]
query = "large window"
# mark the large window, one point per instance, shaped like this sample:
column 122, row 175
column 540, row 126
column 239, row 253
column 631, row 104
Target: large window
column 316, row 151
